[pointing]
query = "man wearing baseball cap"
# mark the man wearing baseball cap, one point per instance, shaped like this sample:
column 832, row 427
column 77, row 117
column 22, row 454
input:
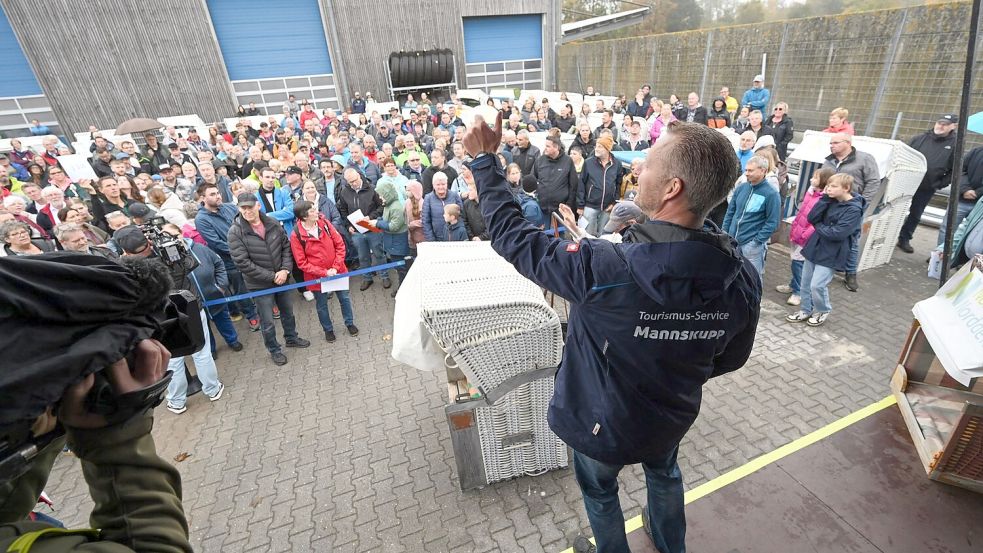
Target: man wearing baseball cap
column 757, row 96
column 261, row 251
column 598, row 190
column 936, row 144
column 294, row 176
column 358, row 104
column 624, row 215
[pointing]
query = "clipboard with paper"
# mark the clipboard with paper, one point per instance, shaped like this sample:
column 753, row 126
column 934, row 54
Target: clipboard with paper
column 357, row 219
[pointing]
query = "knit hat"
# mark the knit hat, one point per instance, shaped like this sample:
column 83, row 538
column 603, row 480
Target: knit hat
column 529, row 184
column 606, row 143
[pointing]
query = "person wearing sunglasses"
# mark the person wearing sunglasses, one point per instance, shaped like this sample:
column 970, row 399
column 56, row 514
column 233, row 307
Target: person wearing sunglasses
column 780, row 125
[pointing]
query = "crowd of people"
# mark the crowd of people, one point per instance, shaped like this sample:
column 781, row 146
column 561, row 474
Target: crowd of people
column 312, row 194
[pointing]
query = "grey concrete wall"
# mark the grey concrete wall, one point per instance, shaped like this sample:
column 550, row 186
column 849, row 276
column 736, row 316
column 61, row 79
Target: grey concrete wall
column 363, row 34
column 100, row 63
column 876, row 64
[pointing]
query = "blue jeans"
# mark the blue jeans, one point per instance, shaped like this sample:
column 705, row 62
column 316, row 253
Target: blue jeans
column 238, row 286
column 962, row 210
column 815, row 288
column 599, row 486
column 796, row 283
column 756, row 252
column 321, row 306
column 369, row 246
column 596, row 218
column 223, row 324
column 177, row 390
column 264, row 304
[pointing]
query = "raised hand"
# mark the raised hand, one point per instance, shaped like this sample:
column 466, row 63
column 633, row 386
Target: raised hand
column 481, row 139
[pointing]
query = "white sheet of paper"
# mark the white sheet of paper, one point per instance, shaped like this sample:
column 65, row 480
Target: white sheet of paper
column 334, row 285
column 485, row 111
column 77, row 167
column 355, row 218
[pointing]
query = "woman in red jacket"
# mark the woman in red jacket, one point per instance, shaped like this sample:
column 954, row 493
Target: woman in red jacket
column 319, row 251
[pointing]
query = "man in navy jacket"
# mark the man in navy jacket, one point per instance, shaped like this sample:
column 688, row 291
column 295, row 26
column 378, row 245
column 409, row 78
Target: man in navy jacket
column 652, row 319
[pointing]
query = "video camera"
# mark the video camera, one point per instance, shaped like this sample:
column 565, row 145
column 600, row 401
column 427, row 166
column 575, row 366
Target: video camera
column 170, row 249
column 177, row 325
column 180, row 329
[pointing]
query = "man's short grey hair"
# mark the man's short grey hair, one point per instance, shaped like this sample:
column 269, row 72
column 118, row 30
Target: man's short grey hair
column 50, row 189
column 761, row 162
column 706, row 163
column 440, row 175
column 14, row 199
column 64, row 229
column 350, row 171
column 115, row 215
column 761, row 115
column 523, row 132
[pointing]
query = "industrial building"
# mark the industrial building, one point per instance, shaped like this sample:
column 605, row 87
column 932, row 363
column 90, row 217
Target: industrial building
column 75, row 64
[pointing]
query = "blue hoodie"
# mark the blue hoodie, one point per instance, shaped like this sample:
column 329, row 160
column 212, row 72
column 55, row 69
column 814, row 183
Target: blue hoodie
column 283, row 207
column 651, row 321
column 837, row 225
column 753, row 213
column 757, row 98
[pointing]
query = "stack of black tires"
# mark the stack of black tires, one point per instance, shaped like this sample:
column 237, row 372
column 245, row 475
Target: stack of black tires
column 421, row 68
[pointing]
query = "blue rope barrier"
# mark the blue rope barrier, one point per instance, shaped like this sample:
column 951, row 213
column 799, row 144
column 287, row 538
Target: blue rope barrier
column 285, row 287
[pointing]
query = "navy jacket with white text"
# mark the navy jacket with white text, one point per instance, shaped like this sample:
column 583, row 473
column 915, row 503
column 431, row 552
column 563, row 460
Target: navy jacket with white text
column 651, row 321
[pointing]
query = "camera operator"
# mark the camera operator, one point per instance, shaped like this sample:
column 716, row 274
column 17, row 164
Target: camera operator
column 48, row 390
column 201, row 278
column 652, row 319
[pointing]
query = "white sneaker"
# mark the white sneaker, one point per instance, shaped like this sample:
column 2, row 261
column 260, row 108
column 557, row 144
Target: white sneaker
column 817, row 318
column 783, row 288
column 797, row 317
column 176, row 410
column 308, row 295
column 218, row 395
column 794, row 299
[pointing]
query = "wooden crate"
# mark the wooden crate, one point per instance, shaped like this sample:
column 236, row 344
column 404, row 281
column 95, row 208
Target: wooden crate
column 944, row 418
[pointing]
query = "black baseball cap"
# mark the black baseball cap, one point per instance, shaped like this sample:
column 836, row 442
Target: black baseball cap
column 246, row 199
column 294, row 170
column 130, row 239
column 950, row 118
column 139, row 209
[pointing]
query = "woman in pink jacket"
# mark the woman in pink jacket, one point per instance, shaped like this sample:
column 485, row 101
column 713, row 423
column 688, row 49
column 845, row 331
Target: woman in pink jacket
column 660, row 123
column 801, row 231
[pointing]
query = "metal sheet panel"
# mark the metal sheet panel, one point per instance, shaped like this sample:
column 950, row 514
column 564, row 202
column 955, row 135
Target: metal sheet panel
column 261, row 39
column 18, row 77
column 485, row 38
column 100, row 63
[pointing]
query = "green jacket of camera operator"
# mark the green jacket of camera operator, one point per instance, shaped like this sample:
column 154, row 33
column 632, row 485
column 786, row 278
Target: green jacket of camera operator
column 137, row 497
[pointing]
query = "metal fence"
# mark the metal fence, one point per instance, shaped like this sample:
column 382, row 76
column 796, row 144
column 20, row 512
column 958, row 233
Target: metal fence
column 896, row 71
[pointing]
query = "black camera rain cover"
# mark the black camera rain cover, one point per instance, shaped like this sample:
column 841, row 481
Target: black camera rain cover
column 65, row 315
